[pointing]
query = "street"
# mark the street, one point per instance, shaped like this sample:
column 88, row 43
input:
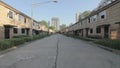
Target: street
column 58, row 51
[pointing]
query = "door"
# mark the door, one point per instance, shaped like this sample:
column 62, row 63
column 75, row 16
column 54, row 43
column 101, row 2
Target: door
column 106, row 32
column 27, row 31
column 86, row 32
column 7, row 32
column 82, row 32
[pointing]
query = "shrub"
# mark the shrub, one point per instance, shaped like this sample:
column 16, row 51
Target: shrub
column 79, row 37
column 20, row 36
column 27, row 39
column 109, row 43
column 5, row 44
column 94, row 36
column 17, row 41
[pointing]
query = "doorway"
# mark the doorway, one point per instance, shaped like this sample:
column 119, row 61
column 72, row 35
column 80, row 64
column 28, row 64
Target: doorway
column 106, row 31
column 7, row 32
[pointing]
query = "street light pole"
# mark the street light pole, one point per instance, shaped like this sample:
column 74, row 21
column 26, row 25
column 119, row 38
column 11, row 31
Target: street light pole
column 32, row 7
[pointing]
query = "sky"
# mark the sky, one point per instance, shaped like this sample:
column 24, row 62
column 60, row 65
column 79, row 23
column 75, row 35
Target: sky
column 65, row 10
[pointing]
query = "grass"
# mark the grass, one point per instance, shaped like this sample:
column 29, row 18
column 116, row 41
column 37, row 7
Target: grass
column 79, row 37
column 16, row 41
column 115, row 44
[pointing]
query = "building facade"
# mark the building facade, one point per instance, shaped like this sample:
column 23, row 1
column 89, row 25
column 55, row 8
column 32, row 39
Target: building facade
column 15, row 23
column 103, row 23
column 56, row 23
column 77, row 16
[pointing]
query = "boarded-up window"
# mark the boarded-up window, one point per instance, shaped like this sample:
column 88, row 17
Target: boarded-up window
column 114, row 34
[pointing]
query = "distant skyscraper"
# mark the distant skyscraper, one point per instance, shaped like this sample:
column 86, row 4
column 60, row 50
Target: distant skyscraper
column 56, row 23
column 77, row 16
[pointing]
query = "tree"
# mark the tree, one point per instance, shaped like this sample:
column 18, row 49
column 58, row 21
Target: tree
column 86, row 13
column 62, row 26
column 43, row 22
column 52, row 27
column 104, row 2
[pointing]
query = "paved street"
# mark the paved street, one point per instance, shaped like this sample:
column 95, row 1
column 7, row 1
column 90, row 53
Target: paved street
column 58, row 51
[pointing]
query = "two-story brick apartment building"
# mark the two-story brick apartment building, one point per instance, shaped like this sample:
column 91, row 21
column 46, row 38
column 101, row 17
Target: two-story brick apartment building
column 14, row 23
column 103, row 22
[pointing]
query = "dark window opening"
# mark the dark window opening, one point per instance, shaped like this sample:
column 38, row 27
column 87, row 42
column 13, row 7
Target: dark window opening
column 98, row 30
column 23, row 30
column 25, row 20
column 88, row 20
column 15, row 30
column 91, row 30
column 103, row 16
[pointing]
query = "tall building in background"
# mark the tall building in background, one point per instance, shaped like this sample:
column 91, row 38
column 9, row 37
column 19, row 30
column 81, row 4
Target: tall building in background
column 56, row 23
column 77, row 16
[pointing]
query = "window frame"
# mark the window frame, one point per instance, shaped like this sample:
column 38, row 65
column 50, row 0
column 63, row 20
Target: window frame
column 91, row 31
column 11, row 14
column 103, row 13
column 23, row 31
column 98, row 30
column 19, row 17
column 15, row 30
column 94, row 18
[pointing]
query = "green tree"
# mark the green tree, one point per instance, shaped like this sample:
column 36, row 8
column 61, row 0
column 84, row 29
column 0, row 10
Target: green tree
column 62, row 26
column 43, row 22
column 52, row 27
column 86, row 13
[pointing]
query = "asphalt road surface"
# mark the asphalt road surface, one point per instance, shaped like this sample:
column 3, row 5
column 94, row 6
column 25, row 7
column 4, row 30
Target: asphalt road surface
column 58, row 51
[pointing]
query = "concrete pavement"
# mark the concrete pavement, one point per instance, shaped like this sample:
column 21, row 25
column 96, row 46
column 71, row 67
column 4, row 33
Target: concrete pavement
column 58, row 51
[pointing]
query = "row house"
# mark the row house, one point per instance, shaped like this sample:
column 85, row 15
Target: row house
column 103, row 22
column 15, row 23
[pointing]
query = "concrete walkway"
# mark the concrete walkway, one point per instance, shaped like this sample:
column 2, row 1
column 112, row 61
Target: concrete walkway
column 58, row 51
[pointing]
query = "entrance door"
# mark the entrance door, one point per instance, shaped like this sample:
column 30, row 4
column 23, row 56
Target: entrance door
column 27, row 31
column 106, row 32
column 7, row 32
column 87, row 32
column 82, row 32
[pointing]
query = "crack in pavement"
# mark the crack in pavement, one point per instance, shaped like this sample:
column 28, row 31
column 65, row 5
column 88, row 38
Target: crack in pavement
column 57, row 52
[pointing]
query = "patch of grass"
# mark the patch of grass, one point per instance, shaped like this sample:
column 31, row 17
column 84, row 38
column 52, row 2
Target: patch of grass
column 115, row 44
column 95, row 37
column 5, row 44
column 20, row 36
column 79, row 37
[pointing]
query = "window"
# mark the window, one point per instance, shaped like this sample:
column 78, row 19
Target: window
column 19, row 17
column 25, row 20
column 81, row 23
column 88, row 20
column 33, row 23
column 10, row 14
column 91, row 30
column 15, row 30
column 103, row 15
column 23, row 30
column 95, row 18
column 98, row 30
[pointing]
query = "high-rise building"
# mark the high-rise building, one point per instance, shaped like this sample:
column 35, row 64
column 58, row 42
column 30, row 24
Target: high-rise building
column 56, row 23
column 77, row 16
